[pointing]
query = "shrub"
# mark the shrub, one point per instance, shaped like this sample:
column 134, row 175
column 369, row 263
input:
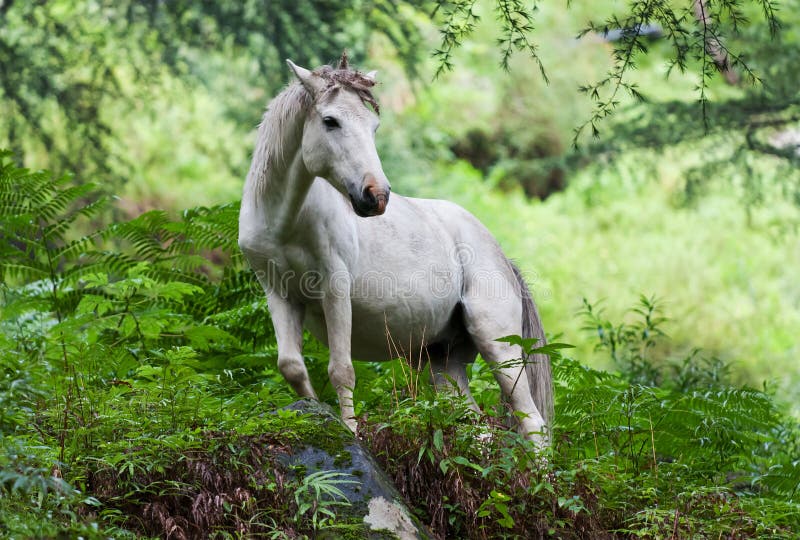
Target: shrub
column 137, row 380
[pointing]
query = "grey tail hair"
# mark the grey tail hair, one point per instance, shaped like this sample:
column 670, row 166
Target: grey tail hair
column 537, row 366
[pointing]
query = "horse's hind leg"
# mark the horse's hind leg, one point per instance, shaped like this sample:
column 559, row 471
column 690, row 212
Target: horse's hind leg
column 487, row 319
column 450, row 372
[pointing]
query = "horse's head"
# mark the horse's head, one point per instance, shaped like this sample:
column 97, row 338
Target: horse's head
column 339, row 135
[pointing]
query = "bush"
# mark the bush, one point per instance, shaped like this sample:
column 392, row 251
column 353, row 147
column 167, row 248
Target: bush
column 699, row 459
column 137, row 372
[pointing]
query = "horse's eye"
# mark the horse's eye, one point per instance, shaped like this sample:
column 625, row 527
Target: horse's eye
column 330, row 122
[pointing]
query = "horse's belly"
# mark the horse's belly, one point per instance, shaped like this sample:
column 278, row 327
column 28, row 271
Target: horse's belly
column 386, row 330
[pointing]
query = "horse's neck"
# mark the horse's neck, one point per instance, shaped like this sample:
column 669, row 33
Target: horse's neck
column 284, row 195
column 279, row 190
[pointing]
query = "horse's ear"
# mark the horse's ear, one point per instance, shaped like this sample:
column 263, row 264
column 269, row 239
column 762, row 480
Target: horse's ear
column 312, row 82
column 372, row 75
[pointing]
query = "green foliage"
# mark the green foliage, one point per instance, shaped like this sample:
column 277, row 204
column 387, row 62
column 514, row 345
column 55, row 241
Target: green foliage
column 137, row 372
column 629, row 345
column 519, row 131
column 689, row 456
column 318, row 495
column 744, row 137
column 689, row 36
column 691, row 41
column 70, row 71
column 106, row 87
column 107, row 339
column 742, row 147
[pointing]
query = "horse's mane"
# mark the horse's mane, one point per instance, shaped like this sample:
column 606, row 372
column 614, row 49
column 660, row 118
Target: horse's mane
column 282, row 123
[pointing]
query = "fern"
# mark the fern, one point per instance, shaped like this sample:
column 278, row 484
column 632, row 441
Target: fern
column 117, row 297
column 37, row 213
column 695, row 418
column 125, row 348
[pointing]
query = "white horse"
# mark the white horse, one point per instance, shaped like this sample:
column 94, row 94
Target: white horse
column 374, row 281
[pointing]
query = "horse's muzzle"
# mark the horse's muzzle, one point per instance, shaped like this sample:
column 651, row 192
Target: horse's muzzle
column 373, row 199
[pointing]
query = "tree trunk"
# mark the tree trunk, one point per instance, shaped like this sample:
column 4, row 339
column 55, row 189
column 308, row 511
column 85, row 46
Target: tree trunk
column 714, row 47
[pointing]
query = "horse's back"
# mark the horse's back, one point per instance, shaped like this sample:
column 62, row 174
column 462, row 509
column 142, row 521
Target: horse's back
column 431, row 240
column 476, row 247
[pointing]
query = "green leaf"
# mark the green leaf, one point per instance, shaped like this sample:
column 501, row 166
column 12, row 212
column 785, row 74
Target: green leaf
column 438, row 440
column 461, row 460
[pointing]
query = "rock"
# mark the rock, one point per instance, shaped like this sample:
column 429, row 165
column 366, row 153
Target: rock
column 787, row 140
column 372, row 498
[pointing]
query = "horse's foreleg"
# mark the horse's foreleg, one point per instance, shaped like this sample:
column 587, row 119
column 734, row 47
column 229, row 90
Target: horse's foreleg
column 287, row 318
column 339, row 323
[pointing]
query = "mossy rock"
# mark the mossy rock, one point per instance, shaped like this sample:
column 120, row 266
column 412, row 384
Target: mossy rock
column 251, row 483
column 374, row 508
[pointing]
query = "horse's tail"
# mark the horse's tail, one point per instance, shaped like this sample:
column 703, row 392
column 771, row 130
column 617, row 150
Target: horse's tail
column 537, row 366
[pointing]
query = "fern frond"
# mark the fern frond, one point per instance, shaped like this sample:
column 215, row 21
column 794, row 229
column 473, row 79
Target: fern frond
column 782, row 478
column 61, row 199
column 20, row 270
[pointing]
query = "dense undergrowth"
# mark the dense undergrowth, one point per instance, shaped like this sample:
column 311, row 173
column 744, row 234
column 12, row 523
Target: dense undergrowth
column 138, row 382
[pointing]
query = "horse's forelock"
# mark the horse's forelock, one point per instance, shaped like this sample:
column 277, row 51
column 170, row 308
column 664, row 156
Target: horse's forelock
column 349, row 79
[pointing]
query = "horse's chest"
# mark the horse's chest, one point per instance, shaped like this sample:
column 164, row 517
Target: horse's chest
column 288, row 265
column 298, row 271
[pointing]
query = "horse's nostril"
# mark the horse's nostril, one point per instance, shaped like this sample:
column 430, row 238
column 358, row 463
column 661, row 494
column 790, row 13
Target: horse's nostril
column 374, row 195
column 369, row 197
column 380, row 207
